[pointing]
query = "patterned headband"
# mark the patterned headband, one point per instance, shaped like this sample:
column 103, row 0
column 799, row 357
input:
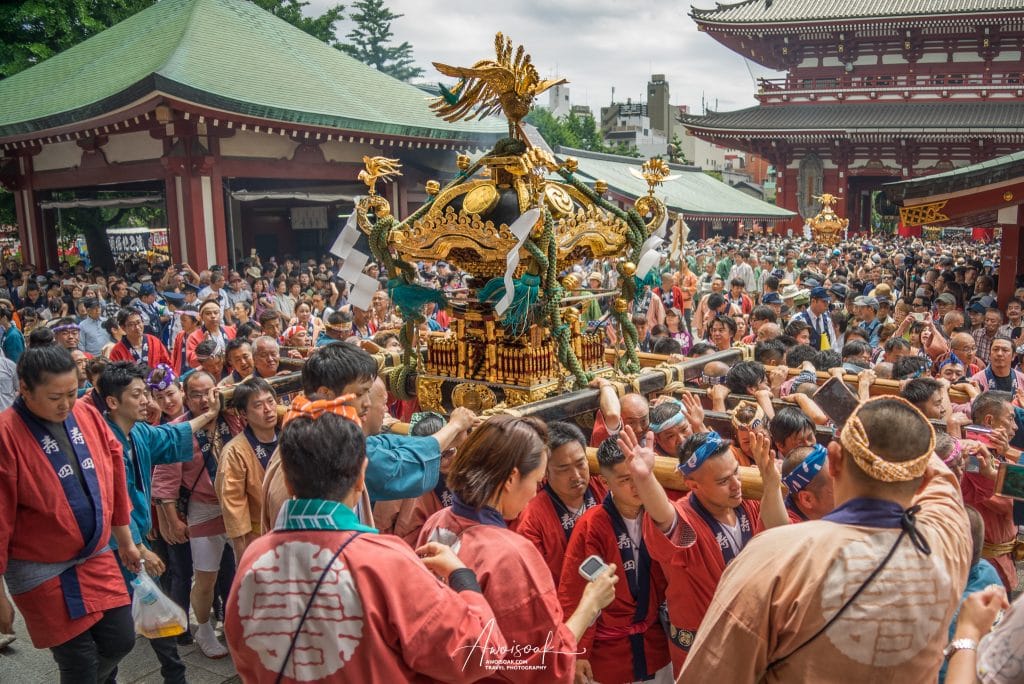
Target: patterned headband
column 673, row 420
column 804, row 474
column 711, row 446
column 757, row 421
column 168, row 378
column 855, row 440
column 302, row 406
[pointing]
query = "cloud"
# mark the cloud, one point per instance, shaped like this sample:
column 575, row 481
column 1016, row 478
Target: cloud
column 596, row 44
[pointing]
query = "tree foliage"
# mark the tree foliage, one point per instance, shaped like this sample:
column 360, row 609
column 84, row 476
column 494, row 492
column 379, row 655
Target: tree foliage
column 371, row 41
column 572, row 130
column 322, row 27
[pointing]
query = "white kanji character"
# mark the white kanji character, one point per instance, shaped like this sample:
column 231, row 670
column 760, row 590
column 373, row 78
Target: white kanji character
column 50, row 445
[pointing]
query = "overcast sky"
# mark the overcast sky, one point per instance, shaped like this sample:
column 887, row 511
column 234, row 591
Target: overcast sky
column 596, row 44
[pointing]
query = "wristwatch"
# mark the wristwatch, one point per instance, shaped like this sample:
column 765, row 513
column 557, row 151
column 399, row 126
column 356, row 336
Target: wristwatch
column 959, row 645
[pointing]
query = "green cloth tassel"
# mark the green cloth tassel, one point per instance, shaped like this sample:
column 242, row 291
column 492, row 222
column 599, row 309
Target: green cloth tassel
column 652, row 280
column 449, row 97
column 525, row 293
column 411, row 298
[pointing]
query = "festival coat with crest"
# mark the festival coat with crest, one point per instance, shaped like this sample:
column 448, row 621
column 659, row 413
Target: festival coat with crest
column 381, row 617
column 606, row 643
column 541, row 524
column 37, row 524
column 691, row 558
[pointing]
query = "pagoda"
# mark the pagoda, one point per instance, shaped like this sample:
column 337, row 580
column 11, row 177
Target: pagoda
column 872, row 93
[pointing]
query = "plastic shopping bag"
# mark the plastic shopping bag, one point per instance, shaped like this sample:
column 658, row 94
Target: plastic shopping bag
column 155, row 615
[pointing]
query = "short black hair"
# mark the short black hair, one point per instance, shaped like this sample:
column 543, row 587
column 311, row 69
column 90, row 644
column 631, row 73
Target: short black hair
column 236, row 343
column 247, row 389
column 38, row 362
column 207, row 347
column 321, row 457
column 855, row 348
column 908, row 367
column 772, row 350
column 794, row 328
column 715, row 301
column 124, row 314
column 561, row 433
column 427, row 425
column 336, row 365
column 702, row 348
column 920, row 390
column 800, row 353
column 827, row 359
column 762, row 313
column 40, row 337
column 245, row 331
column 993, row 403
column 788, row 421
column 896, row 342
column 116, row 377
column 666, row 345
column 744, row 375
column 609, row 454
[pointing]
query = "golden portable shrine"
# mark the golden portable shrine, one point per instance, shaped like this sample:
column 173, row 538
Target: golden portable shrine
column 513, row 220
column 826, row 227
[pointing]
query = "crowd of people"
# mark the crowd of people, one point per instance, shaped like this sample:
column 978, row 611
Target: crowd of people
column 344, row 534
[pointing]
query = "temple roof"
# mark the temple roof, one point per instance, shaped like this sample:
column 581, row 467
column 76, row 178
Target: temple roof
column 228, row 55
column 695, row 194
column 999, row 170
column 890, row 119
column 762, row 12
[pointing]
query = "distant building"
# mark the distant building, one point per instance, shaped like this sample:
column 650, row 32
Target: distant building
column 873, row 92
column 628, row 123
column 558, row 101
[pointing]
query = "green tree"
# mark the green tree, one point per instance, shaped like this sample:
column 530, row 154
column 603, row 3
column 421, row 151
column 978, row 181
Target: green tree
column 675, row 150
column 371, row 41
column 573, row 130
column 34, row 30
column 322, row 27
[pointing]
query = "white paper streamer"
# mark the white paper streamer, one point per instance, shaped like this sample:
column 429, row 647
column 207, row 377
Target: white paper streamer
column 521, row 227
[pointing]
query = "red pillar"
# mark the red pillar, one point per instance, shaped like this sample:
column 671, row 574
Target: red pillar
column 200, row 203
column 1010, row 251
column 35, row 248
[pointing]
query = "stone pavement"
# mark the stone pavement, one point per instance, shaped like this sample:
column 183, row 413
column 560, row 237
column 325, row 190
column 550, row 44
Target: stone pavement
column 21, row 663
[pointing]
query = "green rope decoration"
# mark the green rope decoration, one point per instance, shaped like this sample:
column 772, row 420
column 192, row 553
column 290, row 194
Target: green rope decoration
column 546, row 256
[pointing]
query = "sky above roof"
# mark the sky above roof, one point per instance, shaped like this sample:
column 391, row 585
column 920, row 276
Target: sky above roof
column 596, row 44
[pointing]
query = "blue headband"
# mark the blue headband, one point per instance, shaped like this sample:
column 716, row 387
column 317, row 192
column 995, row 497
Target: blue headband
column 709, row 448
column 807, row 470
column 951, row 359
column 673, row 420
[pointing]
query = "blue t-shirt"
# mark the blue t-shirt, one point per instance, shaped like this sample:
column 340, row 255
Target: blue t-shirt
column 982, row 574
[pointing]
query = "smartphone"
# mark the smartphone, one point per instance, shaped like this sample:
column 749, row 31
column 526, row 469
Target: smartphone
column 591, row 567
column 978, row 433
column 922, row 317
column 973, row 463
column 836, row 400
column 1009, row 481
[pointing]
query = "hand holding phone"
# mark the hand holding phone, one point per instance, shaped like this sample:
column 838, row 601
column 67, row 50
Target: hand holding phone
column 591, row 567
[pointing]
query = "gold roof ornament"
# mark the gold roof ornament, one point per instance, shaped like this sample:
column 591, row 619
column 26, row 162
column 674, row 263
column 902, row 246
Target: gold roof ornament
column 508, row 83
column 513, row 219
column 826, row 227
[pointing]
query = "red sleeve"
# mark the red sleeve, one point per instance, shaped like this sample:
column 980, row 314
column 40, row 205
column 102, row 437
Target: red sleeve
column 190, row 347
column 435, row 626
column 158, row 353
column 571, row 584
column 674, row 547
column 119, row 353
column 8, row 493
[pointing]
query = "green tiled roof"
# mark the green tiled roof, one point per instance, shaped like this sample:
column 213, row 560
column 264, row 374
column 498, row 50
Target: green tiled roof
column 1007, row 167
column 226, row 54
column 887, row 117
column 694, row 194
column 756, row 12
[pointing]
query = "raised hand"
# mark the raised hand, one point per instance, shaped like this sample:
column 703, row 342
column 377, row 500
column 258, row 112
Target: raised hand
column 639, row 459
column 763, row 458
column 694, row 412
